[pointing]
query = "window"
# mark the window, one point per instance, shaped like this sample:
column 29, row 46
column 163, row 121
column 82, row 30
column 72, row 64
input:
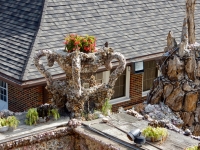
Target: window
column 3, row 91
column 99, row 77
column 150, row 73
column 120, row 86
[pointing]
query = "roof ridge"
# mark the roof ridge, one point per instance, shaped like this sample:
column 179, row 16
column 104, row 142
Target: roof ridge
column 33, row 45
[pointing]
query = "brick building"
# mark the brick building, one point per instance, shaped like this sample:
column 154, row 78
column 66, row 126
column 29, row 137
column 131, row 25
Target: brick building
column 137, row 29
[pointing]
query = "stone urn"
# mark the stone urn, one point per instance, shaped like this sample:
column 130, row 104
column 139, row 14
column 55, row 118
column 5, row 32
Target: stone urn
column 79, row 68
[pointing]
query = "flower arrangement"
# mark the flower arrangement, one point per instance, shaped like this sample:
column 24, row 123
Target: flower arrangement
column 155, row 134
column 85, row 44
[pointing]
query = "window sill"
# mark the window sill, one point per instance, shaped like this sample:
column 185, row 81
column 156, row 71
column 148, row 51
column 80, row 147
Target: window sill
column 119, row 100
column 145, row 93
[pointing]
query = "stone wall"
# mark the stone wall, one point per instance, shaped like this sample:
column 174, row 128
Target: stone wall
column 62, row 138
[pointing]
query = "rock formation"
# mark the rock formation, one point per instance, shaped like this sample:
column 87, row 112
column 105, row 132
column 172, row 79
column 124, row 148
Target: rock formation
column 79, row 68
column 179, row 85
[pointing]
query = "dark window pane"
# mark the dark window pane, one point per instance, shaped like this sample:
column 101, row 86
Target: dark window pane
column 120, row 86
column 4, row 92
column 1, row 97
column 5, row 98
column 150, row 73
column 122, row 80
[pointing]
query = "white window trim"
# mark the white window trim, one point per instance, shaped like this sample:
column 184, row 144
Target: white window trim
column 127, row 92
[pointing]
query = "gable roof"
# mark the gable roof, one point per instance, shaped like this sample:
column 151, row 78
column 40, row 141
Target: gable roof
column 19, row 22
column 134, row 28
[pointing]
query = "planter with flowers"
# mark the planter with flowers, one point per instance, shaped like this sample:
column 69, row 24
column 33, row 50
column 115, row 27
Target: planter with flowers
column 84, row 44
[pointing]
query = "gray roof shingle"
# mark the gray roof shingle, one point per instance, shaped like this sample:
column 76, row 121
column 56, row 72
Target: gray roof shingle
column 134, row 28
column 18, row 26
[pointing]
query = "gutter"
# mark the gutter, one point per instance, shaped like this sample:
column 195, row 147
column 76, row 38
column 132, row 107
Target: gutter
column 41, row 81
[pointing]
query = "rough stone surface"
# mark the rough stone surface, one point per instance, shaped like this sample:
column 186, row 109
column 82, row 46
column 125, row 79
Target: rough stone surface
column 175, row 69
column 80, row 66
column 168, row 88
column 175, row 99
column 182, row 64
column 190, row 103
column 188, row 118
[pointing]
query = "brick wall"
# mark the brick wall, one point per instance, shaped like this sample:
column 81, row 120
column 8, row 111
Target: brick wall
column 23, row 99
column 135, row 92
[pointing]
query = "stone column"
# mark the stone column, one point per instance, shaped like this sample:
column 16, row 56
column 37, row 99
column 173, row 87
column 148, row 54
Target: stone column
column 190, row 7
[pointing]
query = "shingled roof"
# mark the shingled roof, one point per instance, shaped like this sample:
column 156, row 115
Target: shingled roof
column 134, row 28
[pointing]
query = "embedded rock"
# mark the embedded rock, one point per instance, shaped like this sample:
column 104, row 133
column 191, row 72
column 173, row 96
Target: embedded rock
column 190, row 67
column 175, row 69
column 175, row 99
column 190, row 103
column 157, row 97
column 187, row 87
column 188, row 118
column 168, row 88
column 196, row 131
column 198, row 69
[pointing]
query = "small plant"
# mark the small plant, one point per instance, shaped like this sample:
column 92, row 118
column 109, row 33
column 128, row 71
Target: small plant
column 55, row 113
column 85, row 44
column 13, row 122
column 193, row 148
column 155, row 134
column 32, row 117
column 3, row 122
column 106, row 107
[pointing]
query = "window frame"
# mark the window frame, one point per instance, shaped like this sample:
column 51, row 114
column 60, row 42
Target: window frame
column 144, row 93
column 6, row 88
column 127, row 89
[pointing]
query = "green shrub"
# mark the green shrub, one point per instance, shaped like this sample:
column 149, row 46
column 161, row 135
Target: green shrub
column 55, row 113
column 155, row 133
column 32, row 117
column 106, row 107
column 193, row 148
column 12, row 121
column 3, row 122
